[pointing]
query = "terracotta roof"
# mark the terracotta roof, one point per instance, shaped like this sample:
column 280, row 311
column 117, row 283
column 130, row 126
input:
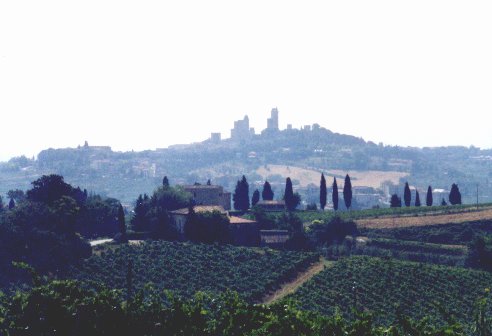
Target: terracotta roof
column 201, row 209
column 239, row 220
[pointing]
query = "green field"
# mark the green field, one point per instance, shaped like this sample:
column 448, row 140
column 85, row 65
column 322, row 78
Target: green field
column 187, row 268
column 385, row 286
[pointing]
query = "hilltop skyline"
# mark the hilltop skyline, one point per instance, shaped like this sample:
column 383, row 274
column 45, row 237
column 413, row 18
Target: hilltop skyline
column 135, row 76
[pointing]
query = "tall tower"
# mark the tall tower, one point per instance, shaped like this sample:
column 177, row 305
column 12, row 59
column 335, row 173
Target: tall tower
column 272, row 122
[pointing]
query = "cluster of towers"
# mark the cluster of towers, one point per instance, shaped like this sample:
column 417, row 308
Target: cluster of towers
column 242, row 131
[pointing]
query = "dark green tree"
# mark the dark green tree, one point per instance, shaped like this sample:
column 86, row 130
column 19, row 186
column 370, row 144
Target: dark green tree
column 209, row 182
column 1, row 203
column 11, row 204
column 121, row 223
column 17, row 194
column 407, row 195
column 443, row 202
column 139, row 220
column 429, row 199
column 290, row 201
column 454, row 195
column 395, row 201
column 165, row 182
column 347, row 192
column 49, row 188
column 256, row 198
column 241, row 195
column 322, row 192
column 334, row 195
column 417, row 199
column 267, row 193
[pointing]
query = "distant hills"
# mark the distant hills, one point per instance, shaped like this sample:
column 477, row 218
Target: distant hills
column 124, row 175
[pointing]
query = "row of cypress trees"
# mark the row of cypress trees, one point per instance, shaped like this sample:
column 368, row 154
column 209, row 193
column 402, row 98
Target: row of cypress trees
column 454, row 197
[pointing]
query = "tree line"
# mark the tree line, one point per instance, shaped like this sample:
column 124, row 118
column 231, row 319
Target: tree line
column 454, row 197
column 292, row 199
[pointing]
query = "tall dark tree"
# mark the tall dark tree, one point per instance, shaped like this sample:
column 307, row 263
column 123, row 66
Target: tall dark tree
column 454, row 195
column 241, row 195
column 267, row 193
column 121, row 222
column 17, row 194
column 347, row 192
column 322, row 192
column 209, row 182
column 417, row 199
column 165, row 182
column 334, row 195
column 11, row 204
column 1, row 203
column 429, row 199
column 407, row 195
column 395, row 201
column 50, row 188
column 289, row 195
column 443, row 202
column 256, row 198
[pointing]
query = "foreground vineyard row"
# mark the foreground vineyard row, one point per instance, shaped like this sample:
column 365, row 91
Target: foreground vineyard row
column 187, row 268
column 388, row 286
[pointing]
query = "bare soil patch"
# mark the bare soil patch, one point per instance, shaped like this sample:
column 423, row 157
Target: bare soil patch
column 407, row 221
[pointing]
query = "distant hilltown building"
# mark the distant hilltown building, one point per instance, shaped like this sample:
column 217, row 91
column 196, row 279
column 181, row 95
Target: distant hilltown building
column 215, row 137
column 272, row 122
column 209, row 195
column 241, row 130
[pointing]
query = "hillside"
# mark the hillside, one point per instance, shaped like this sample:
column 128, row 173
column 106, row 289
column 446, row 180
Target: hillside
column 124, row 175
column 387, row 286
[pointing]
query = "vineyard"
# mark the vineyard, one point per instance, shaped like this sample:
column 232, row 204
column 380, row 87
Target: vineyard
column 453, row 234
column 388, row 286
column 187, row 268
column 404, row 212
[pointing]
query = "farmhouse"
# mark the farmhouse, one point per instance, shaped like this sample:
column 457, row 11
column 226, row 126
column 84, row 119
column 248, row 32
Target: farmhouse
column 242, row 231
column 209, row 195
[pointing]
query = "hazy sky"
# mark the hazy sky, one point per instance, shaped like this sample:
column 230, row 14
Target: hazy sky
column 146, row 74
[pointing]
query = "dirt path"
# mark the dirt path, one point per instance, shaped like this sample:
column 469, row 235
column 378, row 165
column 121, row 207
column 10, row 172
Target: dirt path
column 290, row 287
column 393, row 222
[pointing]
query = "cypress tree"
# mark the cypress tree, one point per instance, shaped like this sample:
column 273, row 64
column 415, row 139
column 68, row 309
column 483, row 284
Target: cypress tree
column 241, row 195
column 322, row 192
column 407, row 195
column 165, row 182
column 256, row 198
column 454, row 195
column 334, row 195
column 347, row 192
column 395, row 201
column 121, row 222
column 417, row 198
column 289, row 195
column 11, row 204
column 267, row 193
column 429, row 200
column 209, row 182
column 236, row 197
